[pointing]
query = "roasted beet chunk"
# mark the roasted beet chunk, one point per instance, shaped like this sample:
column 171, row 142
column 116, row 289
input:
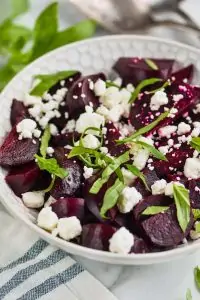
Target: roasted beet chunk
column 133, row 70
column 140, row 246
column 151, row 177
column 68, row 207
column 17, row 152
column 67, row 138
column 97, row 236
column 184, row 74
column 18, row 112
column 81, row 94
column 68, row 82
column 163, row 229
column 21, row 179
column 194, row 188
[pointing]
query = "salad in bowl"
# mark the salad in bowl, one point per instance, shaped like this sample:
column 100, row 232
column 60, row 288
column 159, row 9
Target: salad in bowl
column 110, row 162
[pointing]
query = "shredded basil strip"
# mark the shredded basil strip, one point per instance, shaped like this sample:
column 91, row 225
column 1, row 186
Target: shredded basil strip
column 142, row 85
column 49, row 188
column 167, row 83
column 195, row 143
column 156, row 153
column 110, row 83
column 111, row 197
column 181, row 198
column 51, row 166
column 94, row 129
column 45, row 142
column 154, row 210
column 144, row 130
column 151, row 64
column 135, row 171
column 197, row 276
column 108, row 171
column 197, row 227
column 196, row 214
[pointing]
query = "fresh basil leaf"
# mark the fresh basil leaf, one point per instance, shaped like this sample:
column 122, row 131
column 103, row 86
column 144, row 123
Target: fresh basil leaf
column 108, row 171
column 133, row 169
column 154, row 210
column 145, row 129
column 45, row 142
column 188, row 294
column 197, row 227
column 51, row 165
column 141, row 86
column 19, row 7
column 111, row 196
column 197, row 276
column 78, row 150
column 151, row 64
column 195, row 143
column 156, row 153
column 196, row 214
column 181, row 197
column 45, row 30
column 49, row 188
column 119, row 174
column 6, row 74
column 82, row 30
column 111, row 83
column 47, row 81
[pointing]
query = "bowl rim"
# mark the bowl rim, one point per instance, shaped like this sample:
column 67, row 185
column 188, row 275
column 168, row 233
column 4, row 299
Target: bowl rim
column 104, row 256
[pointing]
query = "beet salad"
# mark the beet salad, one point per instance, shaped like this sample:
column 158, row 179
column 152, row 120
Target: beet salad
column 110, row 163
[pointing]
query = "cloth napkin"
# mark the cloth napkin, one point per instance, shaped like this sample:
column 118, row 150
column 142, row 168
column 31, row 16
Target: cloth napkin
column 32, row 269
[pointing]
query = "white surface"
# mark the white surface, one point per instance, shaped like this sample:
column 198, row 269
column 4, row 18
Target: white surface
column 168, row 281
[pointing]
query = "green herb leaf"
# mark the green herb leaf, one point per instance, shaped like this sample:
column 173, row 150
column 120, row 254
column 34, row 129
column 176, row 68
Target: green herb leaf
column 144, row 130
column 181, row 197
column 189, row 295
column 47, row 81
column 195, row 143
column 45, row 30
column 109, row 170
column 196, row 214
column 151, row 64
column 133, row 169
column 51, row 165
column 156, row 153
column 154, row 210
column 19, row 7
column 78, row 150
column 47, row 190
column 111, row 196
column 45, row 142
column 197, row 276
column 197, row 227
column 141, row 86
column 110, row 83
column 165, row 84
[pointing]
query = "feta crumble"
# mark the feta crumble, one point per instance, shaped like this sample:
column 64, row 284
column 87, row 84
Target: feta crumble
column 111, row 97
column 88, row 172
column 26, row 128
column 90, row 141
column 33, row 199
column 69, row 228
column 192, row 168
column 167, row 131
column 140, row 158
column 47, row 219
column 128, row 176
column 88, row 119
column 158, row 99
column 169, row 188
column 100, row 87
column 158, row 188
column 122, row 241
column 128, row 199
column 50, row 151
column 183, row 128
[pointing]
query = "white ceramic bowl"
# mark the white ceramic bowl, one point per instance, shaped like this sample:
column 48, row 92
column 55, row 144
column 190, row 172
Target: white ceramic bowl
column 91, row 56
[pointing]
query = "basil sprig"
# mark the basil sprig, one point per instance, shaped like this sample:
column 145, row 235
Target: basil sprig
column 196, row 214
column 111, row 197
column 197, row 276
column 135, row 171
column 144, row 130
column 195, row 143
column 108, row 171
column 151, row 64
column 156, row 153
column 45, row 142
column 182, row 202
column 154, row 210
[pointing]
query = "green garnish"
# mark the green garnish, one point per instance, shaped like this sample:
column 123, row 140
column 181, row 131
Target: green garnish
column 142, row 85
column 87, row 159
column 154, row 210
column 144, row 130
column 135, row 171
column 197, row 227
column 181, row 197
column 165, row 84
column 49, row 188
column 47, row 81
column 188, row 294
column 108, row 171
column 197, row 276
column 151, row 64
column 110, row 83
column 195, row 143
column 45, row 142
column 156, row 153
column 99, row 130
column 196, row 214
column 111, row 197
column 51, row 166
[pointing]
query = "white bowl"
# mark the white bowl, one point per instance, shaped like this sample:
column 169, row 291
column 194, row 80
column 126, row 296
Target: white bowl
column 91, row 56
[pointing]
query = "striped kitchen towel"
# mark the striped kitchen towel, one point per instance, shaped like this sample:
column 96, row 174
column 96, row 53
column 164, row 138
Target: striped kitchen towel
column 31, row 269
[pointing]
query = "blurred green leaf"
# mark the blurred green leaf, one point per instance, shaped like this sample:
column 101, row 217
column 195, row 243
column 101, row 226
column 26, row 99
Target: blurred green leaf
column 19, row 7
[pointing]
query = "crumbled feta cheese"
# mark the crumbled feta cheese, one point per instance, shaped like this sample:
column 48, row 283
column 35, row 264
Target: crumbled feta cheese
column 44, row 122
column 192, row 168
column 196, row 153
column 164, row 149
column 69, row 228
column 125, row 129
column 130, row 88
column 35, row 111
column 50, row 201
column 196, row 124
column 158, row 99
column 128, row 176
column 167, row 131
column 128, row 199
column 158, row 187
column 26, row 128
column 183, row 128
column 88, row 172
column 169, row 188
column 195, row 132
column 53, row 129
column 115, row 113
column 173, row 112
column 170, row 142
column 100, row 87
column 140, row 158
column 89, row 109
column 37, row 133
column 146, row 140
column 91, row 85
column 70, row 126
column 90, row 141
column 122, row 241
column 33, row 199
column 50, row 150
column 31, row 100
column 111, row 97
column 177, row 97
column 118, row 81
column 89, row 120
column 47, row 219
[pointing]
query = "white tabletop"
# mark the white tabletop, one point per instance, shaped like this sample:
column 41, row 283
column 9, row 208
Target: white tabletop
column 167, row 281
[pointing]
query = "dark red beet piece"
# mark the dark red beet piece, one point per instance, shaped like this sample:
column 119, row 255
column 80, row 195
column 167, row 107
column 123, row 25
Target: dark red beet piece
column 68, row 83
column 97, row 236
column 163, row 229
column 81, row 89
column 134, row 70
column 18, row 112
column 21, row 179
column 17, row 152
column 194, row 188
column 68, row 207
column 140, row 246
column 62, row 140
column 185, row 73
